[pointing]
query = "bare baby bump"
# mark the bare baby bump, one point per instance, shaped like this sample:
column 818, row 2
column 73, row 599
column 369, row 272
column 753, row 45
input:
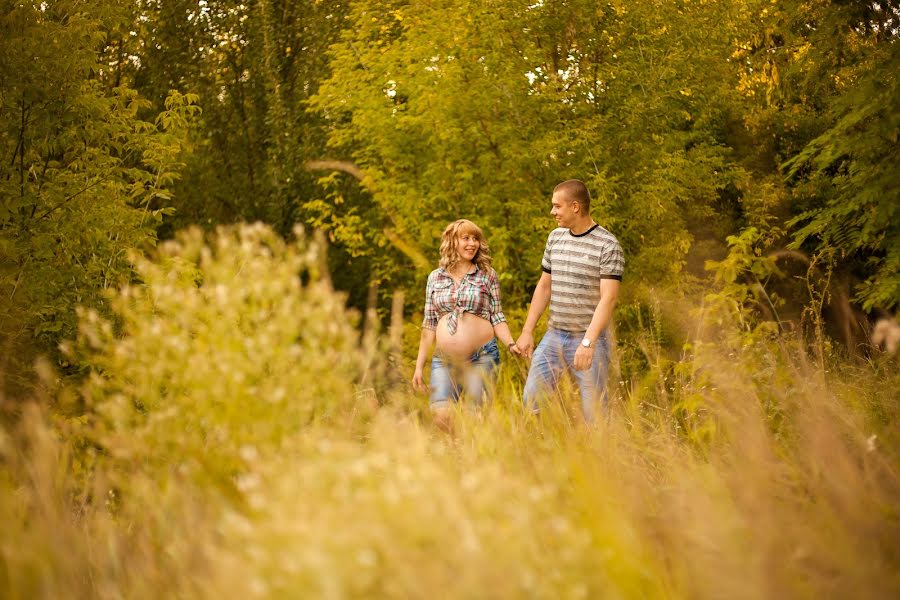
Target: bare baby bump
column 472, row 333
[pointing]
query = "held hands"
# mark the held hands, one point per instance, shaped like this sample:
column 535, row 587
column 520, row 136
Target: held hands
column 513, row 348
column 525, row 344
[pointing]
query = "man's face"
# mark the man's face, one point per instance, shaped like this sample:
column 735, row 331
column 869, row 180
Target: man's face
column 563, row 210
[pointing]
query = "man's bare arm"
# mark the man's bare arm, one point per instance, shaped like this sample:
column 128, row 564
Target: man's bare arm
column 609, row 294
column 539, row 301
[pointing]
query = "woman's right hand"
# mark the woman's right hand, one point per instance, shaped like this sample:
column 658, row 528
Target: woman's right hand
column 417, row 382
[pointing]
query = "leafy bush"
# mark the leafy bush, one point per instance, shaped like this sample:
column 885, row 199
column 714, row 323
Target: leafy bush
column 229, row 347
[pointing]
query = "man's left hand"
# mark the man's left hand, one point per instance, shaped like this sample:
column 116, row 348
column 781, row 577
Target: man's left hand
column 583, row 358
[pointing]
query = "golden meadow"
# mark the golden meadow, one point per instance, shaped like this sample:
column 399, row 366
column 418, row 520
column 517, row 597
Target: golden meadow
column 233, row 436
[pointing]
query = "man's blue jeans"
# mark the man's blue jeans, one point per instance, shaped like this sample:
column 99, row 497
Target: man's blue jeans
column 554, row 356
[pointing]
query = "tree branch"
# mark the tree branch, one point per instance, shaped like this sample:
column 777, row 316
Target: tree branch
column 70, row 198
column 335, row 165
column 395, row 236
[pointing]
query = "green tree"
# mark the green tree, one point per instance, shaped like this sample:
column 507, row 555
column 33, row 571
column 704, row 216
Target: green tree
column 86, row 179
column 477, row 110
column 254, row 65
column 846, row 179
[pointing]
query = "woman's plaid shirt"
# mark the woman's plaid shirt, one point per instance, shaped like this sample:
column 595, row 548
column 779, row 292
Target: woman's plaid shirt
column 478, row 293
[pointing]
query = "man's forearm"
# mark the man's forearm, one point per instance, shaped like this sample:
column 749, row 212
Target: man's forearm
column 600, row 320
column 603, row 313
column 539, row 301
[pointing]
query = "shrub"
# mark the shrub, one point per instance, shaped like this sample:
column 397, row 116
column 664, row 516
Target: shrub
column 230, row 345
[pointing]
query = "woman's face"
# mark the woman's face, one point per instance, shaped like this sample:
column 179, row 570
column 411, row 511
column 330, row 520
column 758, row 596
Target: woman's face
column 467, row 246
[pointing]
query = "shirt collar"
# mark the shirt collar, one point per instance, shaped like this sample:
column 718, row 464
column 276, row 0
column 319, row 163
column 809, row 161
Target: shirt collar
column 474, row 271
column 592, row 227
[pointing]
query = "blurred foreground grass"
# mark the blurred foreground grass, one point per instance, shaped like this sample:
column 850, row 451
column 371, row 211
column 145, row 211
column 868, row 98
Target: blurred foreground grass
column 222, row 446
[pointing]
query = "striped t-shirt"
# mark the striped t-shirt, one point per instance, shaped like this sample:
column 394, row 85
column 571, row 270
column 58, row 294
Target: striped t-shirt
column 577, row 264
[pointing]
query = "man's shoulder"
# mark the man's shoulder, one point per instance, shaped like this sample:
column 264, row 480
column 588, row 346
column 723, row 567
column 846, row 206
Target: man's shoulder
column 600, row 233
column 557, row 233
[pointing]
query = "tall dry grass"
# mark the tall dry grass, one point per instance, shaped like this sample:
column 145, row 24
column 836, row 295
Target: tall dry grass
column 746, row 472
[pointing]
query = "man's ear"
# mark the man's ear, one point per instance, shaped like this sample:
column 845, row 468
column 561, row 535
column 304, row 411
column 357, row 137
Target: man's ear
column 576, row 206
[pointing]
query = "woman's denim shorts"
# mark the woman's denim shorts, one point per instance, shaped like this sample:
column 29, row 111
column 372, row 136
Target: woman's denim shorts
column 474, row 377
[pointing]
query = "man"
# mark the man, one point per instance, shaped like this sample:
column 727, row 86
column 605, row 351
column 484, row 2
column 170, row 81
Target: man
column 583, row 265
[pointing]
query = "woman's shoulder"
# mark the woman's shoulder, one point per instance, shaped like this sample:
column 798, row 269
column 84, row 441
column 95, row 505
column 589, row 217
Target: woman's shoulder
column 488, row 272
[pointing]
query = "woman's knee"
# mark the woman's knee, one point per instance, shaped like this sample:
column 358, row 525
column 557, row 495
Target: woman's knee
column 442, row 415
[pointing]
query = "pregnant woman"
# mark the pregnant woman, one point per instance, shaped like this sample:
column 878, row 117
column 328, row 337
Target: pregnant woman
column 462, row 313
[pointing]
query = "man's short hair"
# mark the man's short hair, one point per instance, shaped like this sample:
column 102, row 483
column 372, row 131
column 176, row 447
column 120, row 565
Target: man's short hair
column 576, row 191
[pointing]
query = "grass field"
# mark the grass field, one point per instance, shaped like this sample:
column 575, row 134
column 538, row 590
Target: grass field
column 208, row 455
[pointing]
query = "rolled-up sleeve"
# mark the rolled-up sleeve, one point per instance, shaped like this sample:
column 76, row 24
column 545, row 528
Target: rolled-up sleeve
column 431, row 314
column 497, row 315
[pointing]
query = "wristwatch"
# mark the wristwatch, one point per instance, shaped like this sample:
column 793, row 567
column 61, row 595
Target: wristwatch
column 587, row 343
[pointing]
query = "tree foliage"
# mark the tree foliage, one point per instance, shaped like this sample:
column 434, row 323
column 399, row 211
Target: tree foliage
column 379, row 121
column 846, row 176
column 84, row 178
column 690, row 121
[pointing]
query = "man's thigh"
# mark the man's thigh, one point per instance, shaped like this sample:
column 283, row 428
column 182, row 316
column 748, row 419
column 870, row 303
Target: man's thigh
column 592, row 381
column 547, row 366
